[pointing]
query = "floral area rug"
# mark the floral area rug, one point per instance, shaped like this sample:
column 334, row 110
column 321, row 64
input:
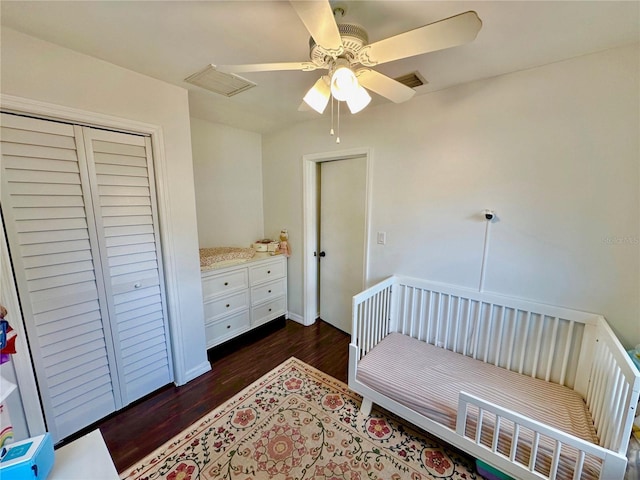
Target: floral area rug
column 299, row 423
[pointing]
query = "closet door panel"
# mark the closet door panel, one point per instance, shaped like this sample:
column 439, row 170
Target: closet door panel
column 44, row 260
column 53, row 242
column 37, row 152
column 59, row 297
column 56, row 247
column 30, row 238
column 69, row 366
column 137, row 304
column 125, row 191
column 84, row 373
column 42, row 164
column 58, row 140
column 43, row 273
column 123, row 250
column 58, row 201
column 135, row 331
column 69, row 417
column 53, row 226
column 69, row 322
column 134, row 257
column 120, row 168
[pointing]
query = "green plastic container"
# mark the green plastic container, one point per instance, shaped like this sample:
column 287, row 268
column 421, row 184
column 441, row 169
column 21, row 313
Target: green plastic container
column 491, row 473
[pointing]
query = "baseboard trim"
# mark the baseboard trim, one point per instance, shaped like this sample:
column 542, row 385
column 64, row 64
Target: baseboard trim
column 193, row 373
column 300, row 319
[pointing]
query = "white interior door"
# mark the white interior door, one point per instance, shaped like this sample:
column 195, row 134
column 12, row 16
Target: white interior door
column 342, row 237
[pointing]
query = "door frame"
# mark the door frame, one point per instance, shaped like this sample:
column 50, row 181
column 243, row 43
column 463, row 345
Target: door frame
column 48, row 111
column 310, row 163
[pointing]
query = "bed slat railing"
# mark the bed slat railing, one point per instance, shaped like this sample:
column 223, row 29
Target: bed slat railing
column 506, row 332
column 541, row 453
column 613, row 391
column 514, row 335
column 371, row 316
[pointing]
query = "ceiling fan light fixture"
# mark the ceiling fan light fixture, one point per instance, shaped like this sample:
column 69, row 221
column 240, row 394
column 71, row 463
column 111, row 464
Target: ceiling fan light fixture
column 359, row 100
column 318, row 96
column 343, row 81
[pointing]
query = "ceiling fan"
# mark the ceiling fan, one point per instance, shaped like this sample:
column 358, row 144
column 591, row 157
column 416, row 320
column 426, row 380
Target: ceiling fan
column 343, row 50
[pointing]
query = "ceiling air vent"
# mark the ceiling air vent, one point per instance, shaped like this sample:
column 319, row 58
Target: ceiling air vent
column 227, row 84
column 412, row 80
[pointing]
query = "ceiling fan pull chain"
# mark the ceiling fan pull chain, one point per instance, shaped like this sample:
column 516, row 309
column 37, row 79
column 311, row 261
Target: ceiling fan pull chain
column 331, row 131
column 338, row 137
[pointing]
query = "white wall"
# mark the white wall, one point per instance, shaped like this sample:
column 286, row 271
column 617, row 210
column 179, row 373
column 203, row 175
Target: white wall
column 227, row 168
column 554, row 150
column 41, row 71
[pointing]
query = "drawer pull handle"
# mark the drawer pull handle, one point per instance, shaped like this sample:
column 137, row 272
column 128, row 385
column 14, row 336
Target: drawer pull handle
column 228, row 305
column 269, row 291
column 269, row 309
column 268, row 272
column 226, row 283
column 228, row 326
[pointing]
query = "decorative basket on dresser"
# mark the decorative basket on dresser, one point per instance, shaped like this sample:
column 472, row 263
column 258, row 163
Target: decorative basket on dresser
column 241, row 297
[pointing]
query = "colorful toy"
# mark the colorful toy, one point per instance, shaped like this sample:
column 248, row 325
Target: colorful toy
column 7, row 347
column 7, row 337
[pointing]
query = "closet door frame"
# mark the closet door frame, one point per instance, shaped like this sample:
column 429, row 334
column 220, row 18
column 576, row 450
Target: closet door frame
column 47, row 111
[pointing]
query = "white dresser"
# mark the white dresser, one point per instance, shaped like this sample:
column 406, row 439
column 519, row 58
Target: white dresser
column 241, row 297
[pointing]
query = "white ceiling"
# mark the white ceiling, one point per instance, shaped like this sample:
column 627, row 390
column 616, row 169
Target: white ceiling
column 169, row 40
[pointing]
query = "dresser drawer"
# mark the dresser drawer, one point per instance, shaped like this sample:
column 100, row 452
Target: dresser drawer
column 222, row 330
column 224, row 283
column 225, row 305
column 269, row 271
column 267, row 311
column 268, row 291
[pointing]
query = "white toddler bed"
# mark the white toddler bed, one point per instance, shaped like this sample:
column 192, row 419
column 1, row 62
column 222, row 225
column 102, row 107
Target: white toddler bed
column 535, row 391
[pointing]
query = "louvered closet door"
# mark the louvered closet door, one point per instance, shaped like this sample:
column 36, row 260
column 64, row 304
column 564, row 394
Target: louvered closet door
column 120, row 169
column 79, row 208
column 47, row 212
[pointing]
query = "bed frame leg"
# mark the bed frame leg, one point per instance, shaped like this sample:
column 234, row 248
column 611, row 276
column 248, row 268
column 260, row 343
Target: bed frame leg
column 366, row 406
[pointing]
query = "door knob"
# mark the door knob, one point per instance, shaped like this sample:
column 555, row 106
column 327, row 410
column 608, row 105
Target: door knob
column 323, row 254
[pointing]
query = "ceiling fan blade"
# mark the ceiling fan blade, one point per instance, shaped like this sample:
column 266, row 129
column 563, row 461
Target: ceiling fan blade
column 450, row 32
column 267, row 67
column 385, row 86
column 318, row 17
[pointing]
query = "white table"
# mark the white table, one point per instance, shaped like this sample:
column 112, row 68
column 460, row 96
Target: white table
column 84, row 458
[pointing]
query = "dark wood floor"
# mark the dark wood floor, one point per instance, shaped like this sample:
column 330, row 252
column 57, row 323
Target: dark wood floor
column 139, row 429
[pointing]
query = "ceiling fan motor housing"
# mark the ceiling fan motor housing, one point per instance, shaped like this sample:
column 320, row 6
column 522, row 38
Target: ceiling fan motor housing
column 354, row 38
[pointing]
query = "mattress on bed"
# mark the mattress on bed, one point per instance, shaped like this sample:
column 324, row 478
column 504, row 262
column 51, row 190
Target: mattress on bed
column 428, row 379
